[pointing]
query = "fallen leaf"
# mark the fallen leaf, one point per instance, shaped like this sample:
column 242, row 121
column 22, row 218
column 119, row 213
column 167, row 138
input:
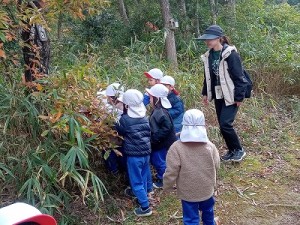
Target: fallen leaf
column 5, row 2
column 39, row 87
column 10, row 37
column 2, row 54
column 43, row 117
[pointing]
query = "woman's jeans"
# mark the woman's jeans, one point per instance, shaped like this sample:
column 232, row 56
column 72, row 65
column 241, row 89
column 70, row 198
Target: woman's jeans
column 226, row 116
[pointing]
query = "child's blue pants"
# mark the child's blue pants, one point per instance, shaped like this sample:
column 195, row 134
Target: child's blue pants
column 158, row 160
column 191, row 212
column 138, row 172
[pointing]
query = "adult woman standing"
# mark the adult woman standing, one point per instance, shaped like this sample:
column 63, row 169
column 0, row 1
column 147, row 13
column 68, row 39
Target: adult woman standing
column 224, row 83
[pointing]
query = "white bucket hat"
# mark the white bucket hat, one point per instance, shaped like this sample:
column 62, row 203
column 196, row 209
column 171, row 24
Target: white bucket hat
column 114, row 89
column 168, row 80
column 21, row 212
column 154, row 73
column 193, row 129
column 134, row 100
column 160, row 91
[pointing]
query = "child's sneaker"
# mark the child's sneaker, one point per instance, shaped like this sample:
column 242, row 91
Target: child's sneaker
column 140, row 212
column 238, row 155
column 158, row 184
column 128, row 192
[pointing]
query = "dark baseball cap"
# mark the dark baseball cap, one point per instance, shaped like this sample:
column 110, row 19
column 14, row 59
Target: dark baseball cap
column 212, row 32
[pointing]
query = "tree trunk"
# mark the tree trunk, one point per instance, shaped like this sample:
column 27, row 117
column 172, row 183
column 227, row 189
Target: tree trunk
column 213, row 10
column 197, row 21
column 123, row 12
column 233, row 8
column 170, row 37
column 182, row 7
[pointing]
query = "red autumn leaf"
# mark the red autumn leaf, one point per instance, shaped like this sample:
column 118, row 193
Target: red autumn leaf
column 5, row 2
column 2, row 54
column 10, row 37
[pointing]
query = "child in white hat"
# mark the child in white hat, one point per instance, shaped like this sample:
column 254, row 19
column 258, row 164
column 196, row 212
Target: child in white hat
column 110, row 98
column 21, row 213
column 153, row 76
column 162, row 130
column 192, row 164
column 134, row 127
column 177, row 109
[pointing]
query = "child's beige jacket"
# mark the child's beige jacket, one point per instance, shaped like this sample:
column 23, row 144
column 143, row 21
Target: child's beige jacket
column 193, row 167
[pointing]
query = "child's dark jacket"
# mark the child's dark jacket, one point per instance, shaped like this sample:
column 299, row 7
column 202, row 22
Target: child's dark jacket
column 162, row 129
column 136, row 134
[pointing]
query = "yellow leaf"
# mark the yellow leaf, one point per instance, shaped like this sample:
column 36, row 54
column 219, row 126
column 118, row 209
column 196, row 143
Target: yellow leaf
column 39, row 87
column 58, row 115
column 66, row 129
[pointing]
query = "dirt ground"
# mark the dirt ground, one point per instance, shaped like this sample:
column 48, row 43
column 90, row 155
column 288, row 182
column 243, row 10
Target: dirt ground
column 262, row 190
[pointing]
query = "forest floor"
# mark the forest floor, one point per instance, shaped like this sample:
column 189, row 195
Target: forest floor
column 263, row 189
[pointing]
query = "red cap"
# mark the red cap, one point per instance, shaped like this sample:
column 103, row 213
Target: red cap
column 147, row 75
column 154, row 73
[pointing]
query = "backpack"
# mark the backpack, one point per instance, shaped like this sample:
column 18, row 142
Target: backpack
column 42, row 34
column 249, row 85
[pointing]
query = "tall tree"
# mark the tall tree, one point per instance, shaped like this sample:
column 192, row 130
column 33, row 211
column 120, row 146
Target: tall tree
column 213, row 9
column 123, row 12
column 170, row 37
column 182, row 7
column 197, row 22
column 233, row 8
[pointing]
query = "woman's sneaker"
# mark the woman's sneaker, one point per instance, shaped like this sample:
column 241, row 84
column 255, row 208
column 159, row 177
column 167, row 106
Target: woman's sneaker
column 140, row 212
column 238, row 155
column 228, row 156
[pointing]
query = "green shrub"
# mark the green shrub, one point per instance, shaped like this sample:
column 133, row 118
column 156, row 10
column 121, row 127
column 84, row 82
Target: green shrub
column 267, row 37
column 45, row 135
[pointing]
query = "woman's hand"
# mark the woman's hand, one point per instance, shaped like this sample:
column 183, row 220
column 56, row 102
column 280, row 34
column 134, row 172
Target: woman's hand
column 205, row 100
column 238, row 104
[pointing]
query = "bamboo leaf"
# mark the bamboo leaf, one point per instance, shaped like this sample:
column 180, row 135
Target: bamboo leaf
column 71, row 130
column 45, row 133
column 84, row 190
